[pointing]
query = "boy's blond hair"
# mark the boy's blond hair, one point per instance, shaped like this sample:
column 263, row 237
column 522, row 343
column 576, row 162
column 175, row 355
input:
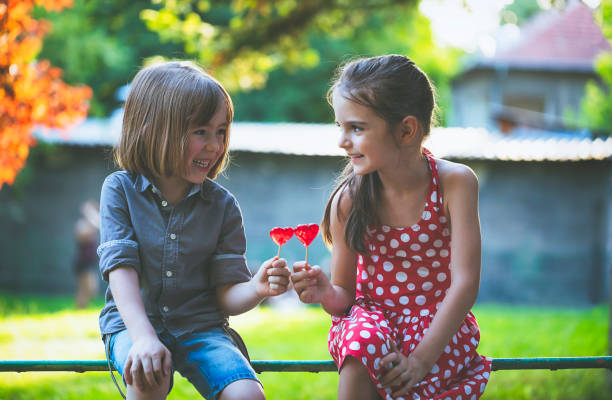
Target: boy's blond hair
column 165, row 102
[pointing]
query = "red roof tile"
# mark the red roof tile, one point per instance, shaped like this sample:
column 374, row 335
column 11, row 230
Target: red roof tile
column 570, row 37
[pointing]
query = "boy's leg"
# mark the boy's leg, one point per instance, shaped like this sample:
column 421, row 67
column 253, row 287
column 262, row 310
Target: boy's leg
column 120, row 344
column 215, row 366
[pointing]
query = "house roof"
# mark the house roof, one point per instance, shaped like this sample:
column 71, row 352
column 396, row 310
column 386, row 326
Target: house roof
column 566, row 40
column 321, row 140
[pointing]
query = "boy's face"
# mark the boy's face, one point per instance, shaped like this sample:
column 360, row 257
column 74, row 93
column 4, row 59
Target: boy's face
column 205, row 145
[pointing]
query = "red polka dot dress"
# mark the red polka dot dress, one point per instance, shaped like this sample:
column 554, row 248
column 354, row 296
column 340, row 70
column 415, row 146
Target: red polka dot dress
column 400, row 286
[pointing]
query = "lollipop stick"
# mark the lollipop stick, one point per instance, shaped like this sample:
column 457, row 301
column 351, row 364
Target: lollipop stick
column 278, row 255
column 306, row 255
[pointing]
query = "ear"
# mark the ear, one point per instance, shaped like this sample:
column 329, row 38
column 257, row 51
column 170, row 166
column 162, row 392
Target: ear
column 409, row 127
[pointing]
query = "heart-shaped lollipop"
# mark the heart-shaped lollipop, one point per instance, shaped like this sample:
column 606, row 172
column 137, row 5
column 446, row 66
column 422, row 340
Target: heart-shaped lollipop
column 306, row 234
column 280, row 236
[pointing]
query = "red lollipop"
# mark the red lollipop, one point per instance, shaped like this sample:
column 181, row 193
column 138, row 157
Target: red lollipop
column 280, row 236
column 306, row 234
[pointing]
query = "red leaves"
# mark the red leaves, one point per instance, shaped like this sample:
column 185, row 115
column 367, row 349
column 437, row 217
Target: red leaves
column 31, row 93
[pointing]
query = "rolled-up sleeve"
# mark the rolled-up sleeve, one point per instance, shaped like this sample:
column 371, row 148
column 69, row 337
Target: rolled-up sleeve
column 228, row 264
column 117, row 239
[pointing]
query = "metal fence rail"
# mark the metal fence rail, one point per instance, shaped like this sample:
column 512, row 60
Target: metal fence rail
column 499, row 364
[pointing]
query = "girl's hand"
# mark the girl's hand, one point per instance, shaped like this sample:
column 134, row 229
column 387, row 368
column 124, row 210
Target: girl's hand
column 402, row 372
column 272, row 278
column 310, row 283
column 147, row 363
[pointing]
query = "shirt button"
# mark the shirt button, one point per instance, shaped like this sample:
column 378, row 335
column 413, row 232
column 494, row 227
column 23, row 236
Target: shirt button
column 168, row 274
column 164, row 203
column 172, row 236
column 165, row 308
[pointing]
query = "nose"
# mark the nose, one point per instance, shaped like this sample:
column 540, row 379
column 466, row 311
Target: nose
column 344, row 142
column 213, row 145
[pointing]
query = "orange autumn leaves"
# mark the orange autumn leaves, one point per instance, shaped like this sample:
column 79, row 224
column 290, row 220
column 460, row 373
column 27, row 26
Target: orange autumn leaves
column 32, row 92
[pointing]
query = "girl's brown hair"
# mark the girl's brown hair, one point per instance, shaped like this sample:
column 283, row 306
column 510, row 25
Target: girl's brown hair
column 393, row 87
column 165, row 102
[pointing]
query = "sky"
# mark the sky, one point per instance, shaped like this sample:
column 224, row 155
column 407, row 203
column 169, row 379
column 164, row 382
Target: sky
column 474, row 25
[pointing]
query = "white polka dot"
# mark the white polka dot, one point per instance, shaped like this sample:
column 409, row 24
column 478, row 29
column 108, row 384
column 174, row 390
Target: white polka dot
column 447, row 349
column 443, row 253
column 365, row 334
column 410, row 286
column 350, row 335
column 456, row 353
column 370, row 285
column 380, row 237
column 447, row 374
column 427, row 286
column 354, row 346
column 368, row 325
column 420, row 300
column 394, row 289
column 406, row 311
column 482, row 387
column 406, row 264
column 423, row 237
column 401, row 276
column 443, row 219
column 374, row 258
column 441, row 277
column 415, row 227
column 403, row 300
column 415, row 247
column 426, row 215
column 417, row 258
column 371, row 348
column 435, row 369
column 379, row 291
column 435, row 264
column 372, row 247
column 437, row 243
column 364, row 275
column 358, row 285
column 424, row 312
column 467, row 389
column 383, row 250
column 434, row 197
column 394, row 243
column 379, row 277
column 404, row 237
column 433, row 227
column 377, row 363
column 445, row 232
column 466, row 348
column 423, row 272
column 387, row 266
column 371, row 269
column 386, row 228
column 390, row 303
column 430, row 253
column 400, row 253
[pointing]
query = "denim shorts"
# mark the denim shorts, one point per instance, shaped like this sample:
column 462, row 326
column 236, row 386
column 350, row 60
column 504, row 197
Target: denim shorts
column 209, row 360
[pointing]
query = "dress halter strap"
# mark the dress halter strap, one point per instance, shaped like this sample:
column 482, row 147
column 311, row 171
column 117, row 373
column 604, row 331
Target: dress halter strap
column 433, row 167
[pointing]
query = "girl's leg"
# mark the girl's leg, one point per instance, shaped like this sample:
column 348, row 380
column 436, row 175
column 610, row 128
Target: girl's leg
column 243, row 389
column 355, row 383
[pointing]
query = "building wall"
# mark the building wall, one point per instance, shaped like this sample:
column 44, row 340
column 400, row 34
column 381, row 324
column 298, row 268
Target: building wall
column 477, row 94
column 546, row 227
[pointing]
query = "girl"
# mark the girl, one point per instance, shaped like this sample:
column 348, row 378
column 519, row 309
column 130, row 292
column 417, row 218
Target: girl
column 172, row 242
column 406, row 246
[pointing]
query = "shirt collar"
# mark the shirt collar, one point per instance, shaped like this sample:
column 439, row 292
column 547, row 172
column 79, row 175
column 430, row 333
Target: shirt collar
column 142, row 184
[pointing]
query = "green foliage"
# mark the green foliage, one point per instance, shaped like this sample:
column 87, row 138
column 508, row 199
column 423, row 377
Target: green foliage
column 56, row 331
column 101, row 43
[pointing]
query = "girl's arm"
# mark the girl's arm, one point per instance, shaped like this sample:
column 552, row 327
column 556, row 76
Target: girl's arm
column 313, row 286
column 271, row 279
column 148, row 358
column 461, row 193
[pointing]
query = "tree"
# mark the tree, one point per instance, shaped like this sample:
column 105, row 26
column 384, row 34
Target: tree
column 241, row 42
column 31, row 92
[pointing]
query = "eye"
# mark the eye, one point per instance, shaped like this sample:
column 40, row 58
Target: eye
column 199, row 132
column 356, row 128
column 222, row 132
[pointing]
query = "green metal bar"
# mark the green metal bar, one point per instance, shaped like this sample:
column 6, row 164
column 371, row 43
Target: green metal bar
column 551, row 363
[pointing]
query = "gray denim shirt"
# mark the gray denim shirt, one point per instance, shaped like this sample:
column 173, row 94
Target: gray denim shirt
column 181, row 253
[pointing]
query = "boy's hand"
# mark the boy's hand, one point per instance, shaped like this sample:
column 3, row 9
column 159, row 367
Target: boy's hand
column 310, row 283
column 402, row 372
column 272, row 278
column 147, row 363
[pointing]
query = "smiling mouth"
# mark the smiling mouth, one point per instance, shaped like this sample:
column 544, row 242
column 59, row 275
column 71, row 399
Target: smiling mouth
column 351, row 156
column 202, row 163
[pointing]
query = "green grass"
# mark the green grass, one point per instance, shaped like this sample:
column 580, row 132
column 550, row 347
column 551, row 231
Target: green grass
column 49, row 328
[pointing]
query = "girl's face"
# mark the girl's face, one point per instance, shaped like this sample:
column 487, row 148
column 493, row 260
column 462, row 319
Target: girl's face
column 205, row 145
column 364, row 136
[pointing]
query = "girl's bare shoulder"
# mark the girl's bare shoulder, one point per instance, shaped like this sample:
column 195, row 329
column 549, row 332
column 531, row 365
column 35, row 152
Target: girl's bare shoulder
column 455, row 176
